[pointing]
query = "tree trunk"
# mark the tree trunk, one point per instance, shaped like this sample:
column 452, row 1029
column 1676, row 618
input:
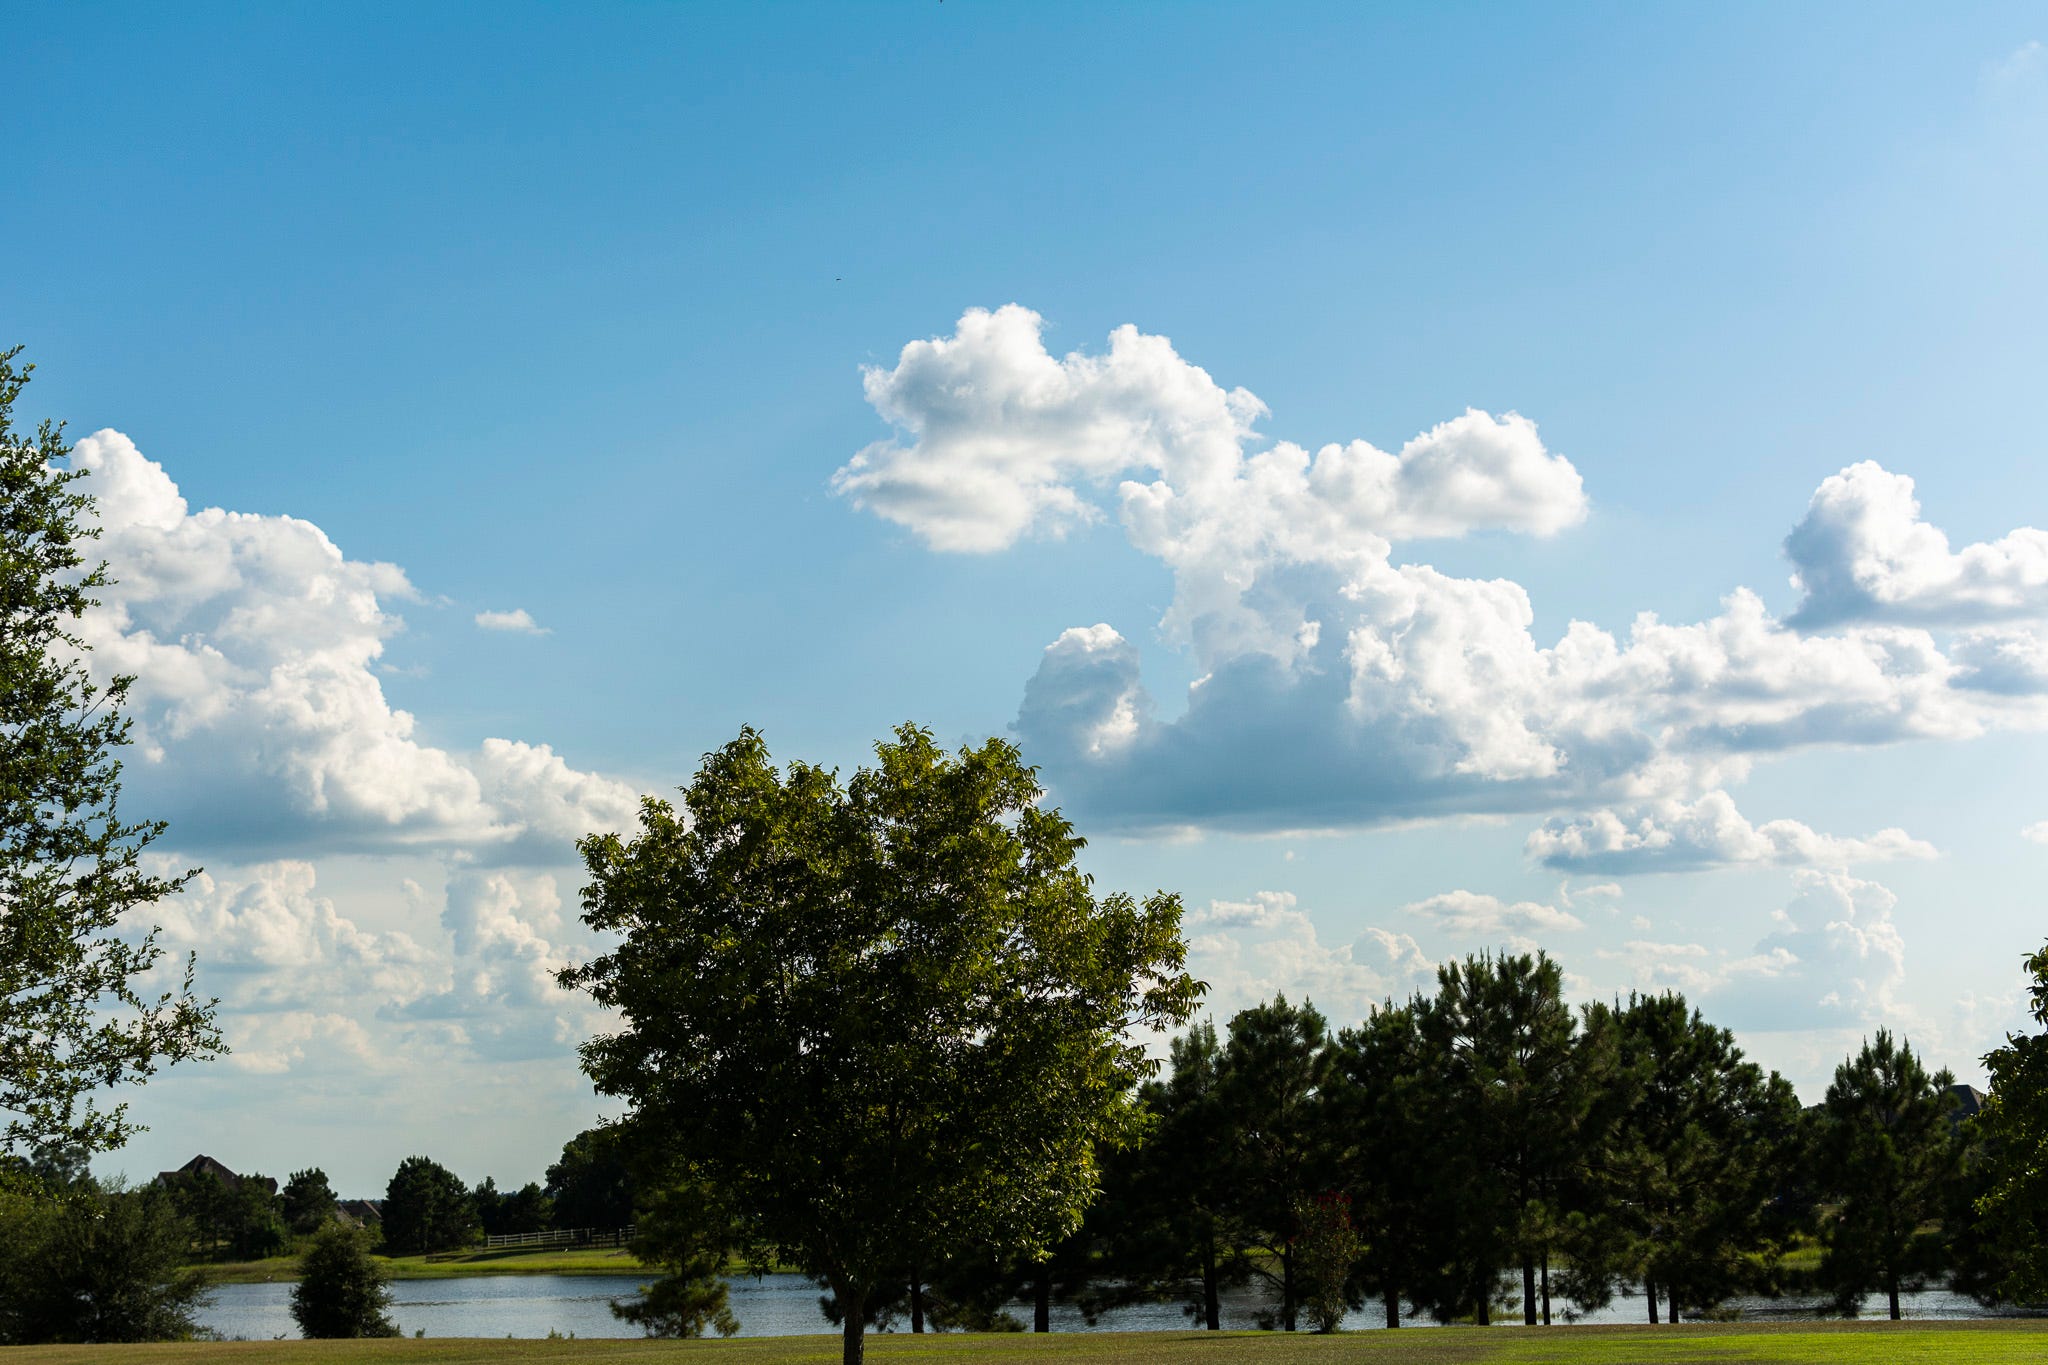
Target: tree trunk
column 1483, row 1315
column 1212, row 1300
column 1287, row 1289
column 1041, row 1301
column 853, row 1328
column 1650, row 1293
column 1528, row 1290
column 1546, row 1286
column 1891, row 1285
column 917, row 1300
column 1392, row 1299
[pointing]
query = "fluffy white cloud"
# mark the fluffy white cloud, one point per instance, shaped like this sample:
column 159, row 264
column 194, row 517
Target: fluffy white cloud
column 518, row 621
column 2012, row 663
column 473, row 980
column 269, row 939
column 1835, row 959
column 1250, row 951
column 1339, row 687
column 2036, row 832
column 1006, row 439
column 502, row 929
column 1862, row 553
column 1437, row 700
column 1670, row 836
column 258, row 711
column 1472, row 914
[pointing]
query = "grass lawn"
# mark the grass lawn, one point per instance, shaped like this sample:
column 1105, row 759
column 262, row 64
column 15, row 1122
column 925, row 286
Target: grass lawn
column 448, row 1265
column 1965, row 1343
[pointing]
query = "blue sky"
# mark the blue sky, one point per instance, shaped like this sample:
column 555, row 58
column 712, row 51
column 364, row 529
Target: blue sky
column 587, row 313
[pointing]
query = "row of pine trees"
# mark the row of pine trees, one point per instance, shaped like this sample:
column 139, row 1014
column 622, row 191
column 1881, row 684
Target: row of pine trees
column 1488, row 1149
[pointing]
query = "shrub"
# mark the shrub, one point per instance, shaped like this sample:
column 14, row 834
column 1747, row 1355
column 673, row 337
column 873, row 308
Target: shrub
column 100, row 1264
column 342, row 1292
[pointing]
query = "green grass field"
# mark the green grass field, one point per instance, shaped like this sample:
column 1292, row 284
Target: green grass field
column 1877, row 1343
column 450, row 1265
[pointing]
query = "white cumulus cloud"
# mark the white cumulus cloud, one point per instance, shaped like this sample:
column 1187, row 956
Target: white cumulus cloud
column 1670, row 836
column 1472, row 914
column 517, row 621
column 1863, row 553
column 259, row 714
column 1340, row 685
column 1249, row 951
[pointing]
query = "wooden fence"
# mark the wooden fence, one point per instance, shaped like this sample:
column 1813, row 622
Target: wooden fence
column 563, row 1237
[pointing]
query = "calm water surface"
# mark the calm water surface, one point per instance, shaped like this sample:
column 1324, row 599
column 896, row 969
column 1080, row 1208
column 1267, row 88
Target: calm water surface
column 787, row 1305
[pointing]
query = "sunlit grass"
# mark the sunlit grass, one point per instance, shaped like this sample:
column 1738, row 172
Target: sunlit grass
column 1964, row 1343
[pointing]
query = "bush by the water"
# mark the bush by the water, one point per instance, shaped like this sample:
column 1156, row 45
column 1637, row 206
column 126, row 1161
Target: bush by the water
column 342, row 1292
column 95, row 1264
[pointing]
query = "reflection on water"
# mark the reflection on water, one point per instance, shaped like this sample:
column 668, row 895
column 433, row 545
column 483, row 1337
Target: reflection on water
column 787, row 1305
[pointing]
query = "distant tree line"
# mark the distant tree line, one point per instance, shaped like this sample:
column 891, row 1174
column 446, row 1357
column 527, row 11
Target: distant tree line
column 1486, row 1150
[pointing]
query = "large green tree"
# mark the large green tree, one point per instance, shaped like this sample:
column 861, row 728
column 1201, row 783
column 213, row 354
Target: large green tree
column 73, row 1015
column 1164, row 1224
column 427, row 1208
column 100, row 1264
column 1384, row 1104
column 2013, row 1128
column 592, row 1186
column 308, row 1200
column 886, row 1018
column 1500, row 1040
column 1270, row 1088
column 1886, row 1150
column 1689, row 1141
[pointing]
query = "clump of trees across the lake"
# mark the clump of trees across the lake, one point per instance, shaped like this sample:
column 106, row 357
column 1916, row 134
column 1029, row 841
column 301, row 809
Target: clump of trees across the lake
column 884, row 1031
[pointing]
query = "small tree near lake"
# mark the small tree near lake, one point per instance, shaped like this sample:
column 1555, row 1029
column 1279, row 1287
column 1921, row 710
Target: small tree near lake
column 341, row 1291
column 883, row 1018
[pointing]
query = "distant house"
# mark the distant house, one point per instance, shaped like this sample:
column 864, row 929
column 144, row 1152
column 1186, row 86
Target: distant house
column 206, row 1165
column 1969, row 1099
column 362, row 1213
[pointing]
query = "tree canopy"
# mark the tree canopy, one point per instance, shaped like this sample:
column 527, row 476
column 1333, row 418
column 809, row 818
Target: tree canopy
column 341, row 1291
column 883, row 1017
column 2015, row 1131
column 73, row 1017
column 1885, row 1152
column 427, row 1208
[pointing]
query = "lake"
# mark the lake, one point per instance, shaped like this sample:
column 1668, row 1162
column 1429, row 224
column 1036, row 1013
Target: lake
column 787, row 1305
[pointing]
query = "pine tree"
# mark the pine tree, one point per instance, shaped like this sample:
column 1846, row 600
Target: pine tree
column 1886, row 1149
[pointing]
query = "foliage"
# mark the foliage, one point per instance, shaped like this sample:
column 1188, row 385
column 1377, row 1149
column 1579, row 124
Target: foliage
column 502, row 1212
column 99, row 1264
column 242, row 1220
column 1886, row 1150
column 1270, row 1085
column 1691, row 1141
column 687, row 1232
column 882, row 1018
column 1326, row 1245
column 1499, row 1039
column 1383, row 1110
column 427, row 1208
column 72, row 1016
column 341, row 1290
column 308, row 1201
column 592, row 1185
column 2014, row 1125
column 1163, row 1220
